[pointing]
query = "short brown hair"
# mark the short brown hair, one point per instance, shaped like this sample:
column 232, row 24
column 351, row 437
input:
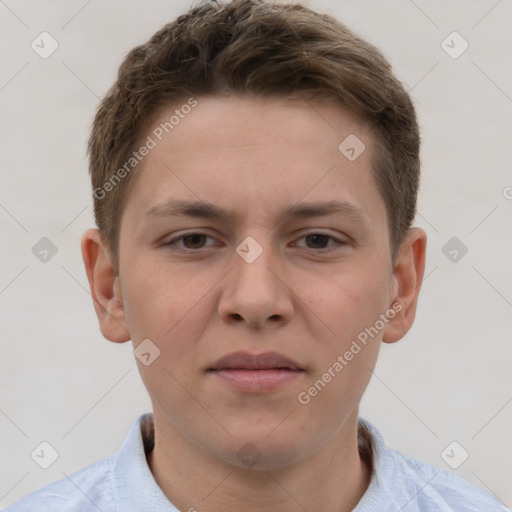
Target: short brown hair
column 253, row 47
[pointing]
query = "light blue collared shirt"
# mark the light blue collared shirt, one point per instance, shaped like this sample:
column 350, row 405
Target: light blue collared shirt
column 123, row 482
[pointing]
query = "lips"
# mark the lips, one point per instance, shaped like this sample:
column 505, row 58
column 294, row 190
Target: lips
column 256, row 373
column 246, row 361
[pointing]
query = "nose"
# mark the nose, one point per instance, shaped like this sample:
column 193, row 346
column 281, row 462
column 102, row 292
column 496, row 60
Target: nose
column 256, row 292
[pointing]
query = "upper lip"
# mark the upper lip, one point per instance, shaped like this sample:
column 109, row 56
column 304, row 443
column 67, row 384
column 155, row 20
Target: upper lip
column 247, row 361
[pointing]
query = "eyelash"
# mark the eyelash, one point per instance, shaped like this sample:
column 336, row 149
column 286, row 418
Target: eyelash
column 172, row 241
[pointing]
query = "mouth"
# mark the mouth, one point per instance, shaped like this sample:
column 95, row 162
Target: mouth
column 256, row 373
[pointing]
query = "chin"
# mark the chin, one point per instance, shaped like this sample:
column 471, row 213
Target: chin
column 263, row 452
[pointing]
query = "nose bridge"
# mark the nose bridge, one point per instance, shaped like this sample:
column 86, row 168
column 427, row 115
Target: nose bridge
column 254, row 261
column 255, row 293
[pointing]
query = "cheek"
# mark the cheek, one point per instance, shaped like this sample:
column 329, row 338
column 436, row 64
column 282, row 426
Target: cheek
column 169, row 312
column 351, row 304
column 159, row 301
column 344, row 302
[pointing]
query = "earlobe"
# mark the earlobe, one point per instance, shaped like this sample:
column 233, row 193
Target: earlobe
column 407, row 278
column 105, row 287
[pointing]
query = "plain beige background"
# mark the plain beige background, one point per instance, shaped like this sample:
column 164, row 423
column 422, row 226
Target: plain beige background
column 448, row 380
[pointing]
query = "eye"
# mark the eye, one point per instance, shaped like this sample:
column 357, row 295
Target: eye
column 195, row 241
column 191, row 241
column 321, row 241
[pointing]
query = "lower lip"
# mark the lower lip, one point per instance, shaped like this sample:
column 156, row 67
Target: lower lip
column 257, row 381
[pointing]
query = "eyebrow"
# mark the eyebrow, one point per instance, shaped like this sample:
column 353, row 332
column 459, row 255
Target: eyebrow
column 205, row 210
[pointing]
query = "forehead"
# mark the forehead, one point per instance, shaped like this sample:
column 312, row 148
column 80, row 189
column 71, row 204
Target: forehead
column 221, row 123
column 266, row 152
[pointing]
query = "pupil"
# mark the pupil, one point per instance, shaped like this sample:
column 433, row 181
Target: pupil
column 194, row 239
column 316, row 237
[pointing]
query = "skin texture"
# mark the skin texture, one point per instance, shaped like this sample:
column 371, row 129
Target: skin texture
column 307, row 298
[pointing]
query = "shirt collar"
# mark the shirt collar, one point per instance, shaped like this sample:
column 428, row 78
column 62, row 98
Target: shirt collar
column 135, row 487
column 383, row 469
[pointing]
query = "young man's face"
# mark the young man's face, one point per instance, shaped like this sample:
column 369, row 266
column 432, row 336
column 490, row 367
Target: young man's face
column 304, row 287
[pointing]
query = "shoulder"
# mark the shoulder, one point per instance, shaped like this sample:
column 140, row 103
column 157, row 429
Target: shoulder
column 85, row 490
column 403, row 483
column 432, row 488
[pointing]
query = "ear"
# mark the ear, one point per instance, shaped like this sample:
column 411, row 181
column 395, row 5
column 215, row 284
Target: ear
column 105, row 287
column 407, row 278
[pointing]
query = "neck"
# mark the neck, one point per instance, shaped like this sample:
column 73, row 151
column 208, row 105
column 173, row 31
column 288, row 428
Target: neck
column 332, row 479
